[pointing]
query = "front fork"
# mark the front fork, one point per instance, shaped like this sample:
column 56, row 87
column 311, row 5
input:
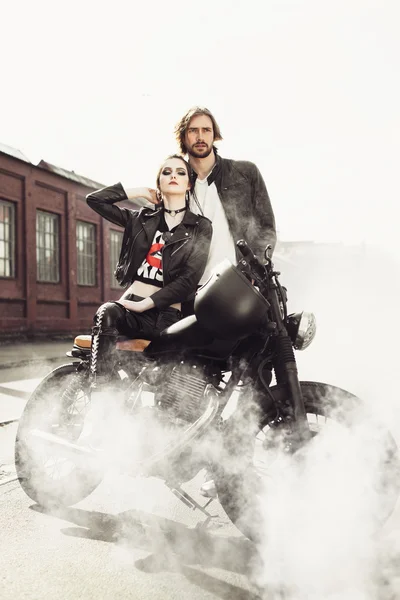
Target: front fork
column 286, row 373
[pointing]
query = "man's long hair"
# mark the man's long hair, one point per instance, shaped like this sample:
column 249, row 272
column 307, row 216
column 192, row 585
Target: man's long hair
column 183, row 124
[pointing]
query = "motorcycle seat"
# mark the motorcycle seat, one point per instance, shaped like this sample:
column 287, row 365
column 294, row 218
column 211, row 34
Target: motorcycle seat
column 123, row 343
column 136, row 345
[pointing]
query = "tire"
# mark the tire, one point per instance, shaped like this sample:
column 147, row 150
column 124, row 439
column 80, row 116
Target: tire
column 238, row 484
column 44, row 475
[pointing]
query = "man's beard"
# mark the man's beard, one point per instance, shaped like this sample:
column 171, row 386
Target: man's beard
column 199, row 153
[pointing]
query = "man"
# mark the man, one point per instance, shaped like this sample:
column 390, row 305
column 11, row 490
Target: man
column 231, row 193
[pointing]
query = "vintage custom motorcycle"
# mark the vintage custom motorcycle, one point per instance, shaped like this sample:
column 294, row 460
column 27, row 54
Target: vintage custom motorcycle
column 201, row 394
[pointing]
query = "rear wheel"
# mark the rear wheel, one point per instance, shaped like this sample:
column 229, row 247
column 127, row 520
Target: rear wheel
column 57, row 406
column 253, row 465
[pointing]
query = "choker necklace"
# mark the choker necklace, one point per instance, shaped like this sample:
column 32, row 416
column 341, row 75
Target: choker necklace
column 174, row 212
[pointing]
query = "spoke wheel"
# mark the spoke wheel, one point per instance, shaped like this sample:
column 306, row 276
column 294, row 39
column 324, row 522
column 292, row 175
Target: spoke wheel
column 57, row 406
column 253, row 463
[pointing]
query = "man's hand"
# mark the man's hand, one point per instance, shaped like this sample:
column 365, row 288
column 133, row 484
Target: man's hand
column 148, row 194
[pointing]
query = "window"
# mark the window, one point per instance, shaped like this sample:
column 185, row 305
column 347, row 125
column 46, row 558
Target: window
column 7, row 239
column 86, row 252
column 47, row 247
column 115, row 248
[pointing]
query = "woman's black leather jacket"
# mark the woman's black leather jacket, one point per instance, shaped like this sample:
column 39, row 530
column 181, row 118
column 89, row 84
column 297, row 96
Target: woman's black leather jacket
column 184, row 254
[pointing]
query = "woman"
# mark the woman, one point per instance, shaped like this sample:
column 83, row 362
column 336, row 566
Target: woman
column 163, row 256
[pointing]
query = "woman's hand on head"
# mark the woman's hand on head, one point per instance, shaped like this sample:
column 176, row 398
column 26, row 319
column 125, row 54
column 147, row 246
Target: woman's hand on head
column 148, row 194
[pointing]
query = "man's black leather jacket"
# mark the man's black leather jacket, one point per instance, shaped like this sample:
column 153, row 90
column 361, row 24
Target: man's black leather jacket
column 246, row 202
column 185, row 251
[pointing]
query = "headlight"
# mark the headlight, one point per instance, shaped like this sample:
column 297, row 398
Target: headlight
column 302, row 328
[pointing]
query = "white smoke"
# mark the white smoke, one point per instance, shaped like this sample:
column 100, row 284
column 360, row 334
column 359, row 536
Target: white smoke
column 320, row 518
column 321, row 538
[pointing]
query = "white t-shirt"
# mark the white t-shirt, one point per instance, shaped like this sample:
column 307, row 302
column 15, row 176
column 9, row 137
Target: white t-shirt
column 222, row 243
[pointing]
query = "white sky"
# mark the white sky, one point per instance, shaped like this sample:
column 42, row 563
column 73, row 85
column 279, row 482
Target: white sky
column 309, row 90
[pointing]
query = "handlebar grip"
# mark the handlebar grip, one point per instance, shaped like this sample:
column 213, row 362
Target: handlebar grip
column 251, row 258
column 245, row 249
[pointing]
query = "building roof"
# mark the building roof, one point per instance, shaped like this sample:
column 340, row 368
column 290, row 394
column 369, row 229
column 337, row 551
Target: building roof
column 52, row 168
column 13, row 152
column 70, row 175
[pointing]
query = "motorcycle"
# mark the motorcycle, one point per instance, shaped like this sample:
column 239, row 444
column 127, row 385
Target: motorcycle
column 200, row 395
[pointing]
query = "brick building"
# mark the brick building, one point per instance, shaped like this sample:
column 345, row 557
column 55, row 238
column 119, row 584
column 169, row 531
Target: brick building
column 57, row 256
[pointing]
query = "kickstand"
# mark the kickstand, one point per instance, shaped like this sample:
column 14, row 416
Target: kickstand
column 192, row 504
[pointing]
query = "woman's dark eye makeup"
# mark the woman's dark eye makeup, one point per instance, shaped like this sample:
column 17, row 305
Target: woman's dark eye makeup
column 169, row 171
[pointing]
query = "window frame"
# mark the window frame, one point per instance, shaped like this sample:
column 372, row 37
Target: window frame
column 53, row 218
column 86, row 281
column 12, row 243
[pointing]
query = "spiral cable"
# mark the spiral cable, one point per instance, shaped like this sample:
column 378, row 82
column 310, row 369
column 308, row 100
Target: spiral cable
column 96, row 331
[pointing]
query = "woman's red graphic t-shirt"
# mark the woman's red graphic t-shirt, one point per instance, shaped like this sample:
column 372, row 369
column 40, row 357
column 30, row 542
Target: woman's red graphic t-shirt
column 151, row 270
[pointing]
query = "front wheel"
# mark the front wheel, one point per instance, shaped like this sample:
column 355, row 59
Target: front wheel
column 57, row 406
column 356, row 454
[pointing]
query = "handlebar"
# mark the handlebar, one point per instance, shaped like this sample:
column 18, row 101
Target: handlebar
column 262, row 274
column 256, row 267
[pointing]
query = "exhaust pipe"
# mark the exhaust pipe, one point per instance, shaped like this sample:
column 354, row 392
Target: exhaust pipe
column 69, row 449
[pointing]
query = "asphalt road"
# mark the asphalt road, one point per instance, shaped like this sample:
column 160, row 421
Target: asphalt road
column 130, row 539
column 110, row 546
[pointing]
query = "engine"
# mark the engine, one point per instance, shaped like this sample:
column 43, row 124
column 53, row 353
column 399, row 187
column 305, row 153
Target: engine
column 182, row 395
